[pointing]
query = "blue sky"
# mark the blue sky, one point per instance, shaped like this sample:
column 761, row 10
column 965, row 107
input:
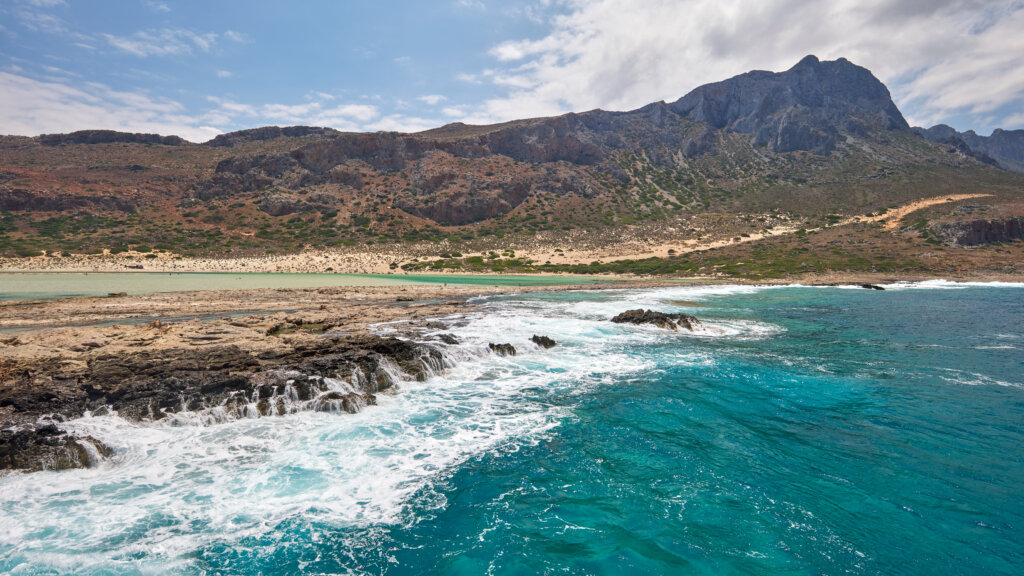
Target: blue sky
column 200, row 68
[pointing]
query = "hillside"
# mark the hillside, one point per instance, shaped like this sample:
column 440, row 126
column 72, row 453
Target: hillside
column 803, row 149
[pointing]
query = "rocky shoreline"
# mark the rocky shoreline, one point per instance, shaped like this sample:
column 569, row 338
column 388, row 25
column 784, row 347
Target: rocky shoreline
column 334, row 350
column 216, row 356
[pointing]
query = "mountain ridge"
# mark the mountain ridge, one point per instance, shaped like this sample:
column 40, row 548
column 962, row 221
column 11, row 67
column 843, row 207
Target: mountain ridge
column 810, row 144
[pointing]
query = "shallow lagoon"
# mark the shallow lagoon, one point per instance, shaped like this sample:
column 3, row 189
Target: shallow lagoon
column 46, row 285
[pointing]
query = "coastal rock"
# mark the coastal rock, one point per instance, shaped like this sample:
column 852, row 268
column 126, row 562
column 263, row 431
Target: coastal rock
column 502, row 349
column 47, row 447
column 659, row 319
column 206, row 384
column 869, row 286
column 543, row 341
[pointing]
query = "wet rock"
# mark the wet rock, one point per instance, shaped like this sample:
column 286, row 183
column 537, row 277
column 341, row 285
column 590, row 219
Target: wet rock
column 213, row 383
column 448, row 339
column 46, row 447
column 502, row 349
column 871, row 286
column 543, row 341
column 659, row 319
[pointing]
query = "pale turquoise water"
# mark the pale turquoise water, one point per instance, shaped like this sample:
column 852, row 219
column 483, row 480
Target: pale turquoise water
column 801, row 431
column 45, row 285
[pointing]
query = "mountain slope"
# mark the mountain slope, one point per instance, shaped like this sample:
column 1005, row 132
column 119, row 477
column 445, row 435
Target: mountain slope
column 805, row 146
column 1004, row 148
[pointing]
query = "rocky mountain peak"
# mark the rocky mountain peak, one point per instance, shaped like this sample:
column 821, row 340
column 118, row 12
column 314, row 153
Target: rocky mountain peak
column 803, row 108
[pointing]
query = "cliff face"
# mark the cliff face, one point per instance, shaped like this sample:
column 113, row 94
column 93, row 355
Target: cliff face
column 977, row 232
column 807, row 107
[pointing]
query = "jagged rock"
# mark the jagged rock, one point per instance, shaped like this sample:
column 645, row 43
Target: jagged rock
column 803, row 108
column 976, row 232
column 448, row 339
column 153, row 385
column 282, row 204
column 1004, row 148
column 543, row 341
column 266, row 133
column 502, row 349
column 660, row 319
column 47, row 447
column 868, row 286
column 20, row 200
column 107, row 136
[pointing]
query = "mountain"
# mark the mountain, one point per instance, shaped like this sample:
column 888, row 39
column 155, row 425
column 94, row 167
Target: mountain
column 807, row 108
column 808, row 145
column 1004, row 148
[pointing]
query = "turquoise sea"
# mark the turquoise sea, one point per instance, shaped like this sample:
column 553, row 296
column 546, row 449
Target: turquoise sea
column 798, row 431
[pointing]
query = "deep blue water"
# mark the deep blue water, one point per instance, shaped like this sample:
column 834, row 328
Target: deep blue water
column 799, row 431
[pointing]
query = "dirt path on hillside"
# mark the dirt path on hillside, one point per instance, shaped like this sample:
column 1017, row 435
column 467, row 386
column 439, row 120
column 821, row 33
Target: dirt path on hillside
column 891, row 218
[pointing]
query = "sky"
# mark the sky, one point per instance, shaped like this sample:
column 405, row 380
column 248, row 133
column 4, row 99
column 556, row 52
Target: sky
column 198, row 69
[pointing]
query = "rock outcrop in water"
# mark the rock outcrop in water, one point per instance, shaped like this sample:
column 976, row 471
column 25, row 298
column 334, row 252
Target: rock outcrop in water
column 659, row 319
column 543, row 341
column 207, row 384
column 502, row 349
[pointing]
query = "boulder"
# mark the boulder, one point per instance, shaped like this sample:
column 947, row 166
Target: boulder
column 543, row 341
column 502, row 349
column 659, row 319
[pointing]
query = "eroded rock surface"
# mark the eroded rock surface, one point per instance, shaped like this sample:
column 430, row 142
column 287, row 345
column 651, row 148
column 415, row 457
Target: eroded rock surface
column 659, row 319
column 211, row 383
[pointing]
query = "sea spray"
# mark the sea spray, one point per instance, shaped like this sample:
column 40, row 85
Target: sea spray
column 810, row 430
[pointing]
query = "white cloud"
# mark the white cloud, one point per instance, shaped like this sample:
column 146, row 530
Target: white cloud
column 432, row 99
column 157, row 6
column 223, row 74
column 939, row 57
column 166, row 42
column 30, row 107
column 235, row 36
column 1013, row 121
column 41, row 22
column 472, row 4
column 352, row 117
column 468, row 78
column 402, row 123
column 47, row 3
